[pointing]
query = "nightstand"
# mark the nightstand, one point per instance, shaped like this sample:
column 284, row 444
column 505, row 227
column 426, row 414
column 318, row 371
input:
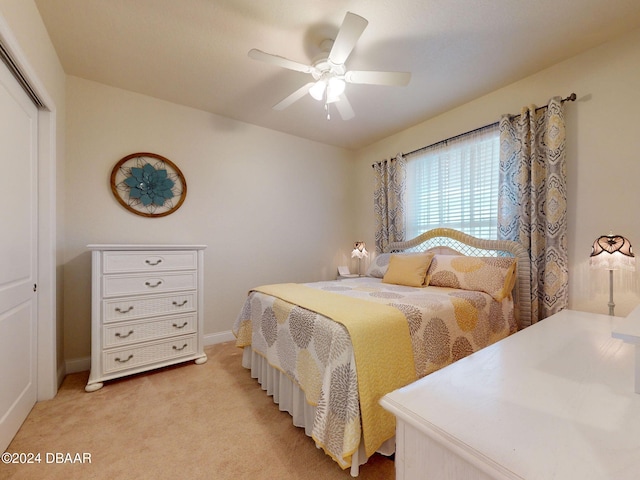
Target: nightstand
column 350, row 275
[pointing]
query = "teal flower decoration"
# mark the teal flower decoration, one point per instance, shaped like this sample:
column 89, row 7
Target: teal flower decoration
column 149, row 185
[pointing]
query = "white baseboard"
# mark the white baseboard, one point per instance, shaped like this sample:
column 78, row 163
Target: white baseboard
column 221, row 337
column 74, row 365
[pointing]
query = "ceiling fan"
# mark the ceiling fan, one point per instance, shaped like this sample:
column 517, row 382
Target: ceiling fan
column 329, row 72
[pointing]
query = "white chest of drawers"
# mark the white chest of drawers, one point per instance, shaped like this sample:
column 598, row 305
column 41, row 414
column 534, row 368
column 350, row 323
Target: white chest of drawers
column 146, row 308
column 555, row 401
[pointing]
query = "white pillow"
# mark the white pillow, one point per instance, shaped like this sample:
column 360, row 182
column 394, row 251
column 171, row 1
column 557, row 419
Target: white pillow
column 379, row 265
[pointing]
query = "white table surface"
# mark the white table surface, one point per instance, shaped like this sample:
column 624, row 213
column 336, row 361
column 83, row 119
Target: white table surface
column 628, row 329
column 554, row 401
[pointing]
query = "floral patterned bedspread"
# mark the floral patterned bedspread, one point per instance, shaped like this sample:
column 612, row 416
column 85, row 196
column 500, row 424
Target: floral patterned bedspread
column 315, row 352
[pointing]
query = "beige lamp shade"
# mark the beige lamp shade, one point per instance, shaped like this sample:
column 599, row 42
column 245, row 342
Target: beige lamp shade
column 359, row 250
column 612, row 252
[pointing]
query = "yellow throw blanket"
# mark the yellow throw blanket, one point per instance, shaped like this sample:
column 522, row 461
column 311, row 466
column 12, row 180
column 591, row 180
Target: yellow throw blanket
column 381, row 344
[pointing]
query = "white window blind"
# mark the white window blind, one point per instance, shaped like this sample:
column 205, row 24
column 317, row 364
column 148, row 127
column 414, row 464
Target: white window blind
column 454, row 184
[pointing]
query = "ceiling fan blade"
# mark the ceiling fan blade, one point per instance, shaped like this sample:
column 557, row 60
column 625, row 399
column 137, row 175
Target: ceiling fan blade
column 256, row 54
column 294, row 97
column 344, row 108
column 399, row 79
column 352, row 27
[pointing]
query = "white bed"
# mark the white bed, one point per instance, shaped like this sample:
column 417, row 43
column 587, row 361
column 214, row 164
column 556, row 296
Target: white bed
column 306, row 362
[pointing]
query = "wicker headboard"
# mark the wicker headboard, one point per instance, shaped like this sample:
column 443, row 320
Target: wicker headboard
column 449, row 241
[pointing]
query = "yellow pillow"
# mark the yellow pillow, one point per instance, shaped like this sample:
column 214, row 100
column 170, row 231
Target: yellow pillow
column 408, row 269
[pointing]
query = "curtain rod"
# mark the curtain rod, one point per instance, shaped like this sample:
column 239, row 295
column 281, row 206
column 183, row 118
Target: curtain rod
column 570, row 98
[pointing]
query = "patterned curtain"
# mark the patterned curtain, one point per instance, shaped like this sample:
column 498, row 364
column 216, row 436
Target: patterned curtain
column 532, row 205
column 388, row 200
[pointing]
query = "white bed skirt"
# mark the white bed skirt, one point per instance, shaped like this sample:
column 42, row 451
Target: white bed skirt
column 290, row 398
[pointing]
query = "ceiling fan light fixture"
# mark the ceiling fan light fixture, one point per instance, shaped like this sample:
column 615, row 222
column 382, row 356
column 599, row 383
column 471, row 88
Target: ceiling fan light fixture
column 317, row 90
column 335, row 88
column 330, row 75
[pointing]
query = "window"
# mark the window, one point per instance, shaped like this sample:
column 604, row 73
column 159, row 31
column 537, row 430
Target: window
column 454, row 184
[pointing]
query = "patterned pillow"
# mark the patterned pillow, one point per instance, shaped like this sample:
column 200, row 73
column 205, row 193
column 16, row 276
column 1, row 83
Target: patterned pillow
column 409, row 270
column 379, row 265
column 493, row 275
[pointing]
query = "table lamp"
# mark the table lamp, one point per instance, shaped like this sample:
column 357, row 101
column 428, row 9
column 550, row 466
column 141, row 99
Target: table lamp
column 360, row 252
column 612, row 252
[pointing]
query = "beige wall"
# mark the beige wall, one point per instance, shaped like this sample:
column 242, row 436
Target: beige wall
column 271, row 207
column 603, row 157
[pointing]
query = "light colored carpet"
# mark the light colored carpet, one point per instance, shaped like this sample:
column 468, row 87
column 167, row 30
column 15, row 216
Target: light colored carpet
column 210, row 421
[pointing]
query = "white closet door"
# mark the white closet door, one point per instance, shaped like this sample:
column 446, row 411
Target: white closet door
column 18, row 255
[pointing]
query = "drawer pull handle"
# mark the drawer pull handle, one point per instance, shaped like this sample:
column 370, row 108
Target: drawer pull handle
column 179, row 304
column 119, row 310
column 148, row 284
column 153, row 264
column 181, row 326
column 125, row 360
column 181, row 348
column 119, row 335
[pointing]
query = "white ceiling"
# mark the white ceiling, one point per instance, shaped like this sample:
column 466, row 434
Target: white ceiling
column 194, row 52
